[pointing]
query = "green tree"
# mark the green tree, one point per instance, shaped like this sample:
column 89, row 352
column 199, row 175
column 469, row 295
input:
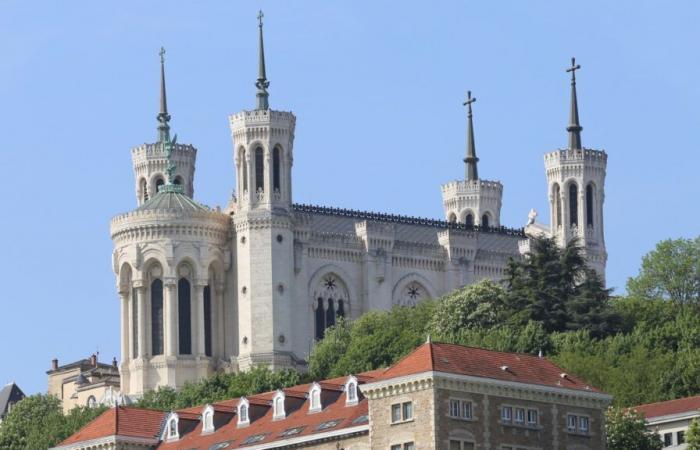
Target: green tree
column 692, row 436
column 37, row 422
column 670, row 272
column 477, row 306
column 626, row 430
column 326, row 354
column 553, row 286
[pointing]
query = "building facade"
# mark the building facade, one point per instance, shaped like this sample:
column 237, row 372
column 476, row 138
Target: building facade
column 441, row 396
column 10, row 394
column 671, row 419
column 205, row 289
column 86, row 382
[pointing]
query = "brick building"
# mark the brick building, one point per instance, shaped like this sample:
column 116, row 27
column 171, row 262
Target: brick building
column 441, row 396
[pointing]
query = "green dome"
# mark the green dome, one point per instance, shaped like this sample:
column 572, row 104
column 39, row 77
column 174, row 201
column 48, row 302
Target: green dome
column 169, row 199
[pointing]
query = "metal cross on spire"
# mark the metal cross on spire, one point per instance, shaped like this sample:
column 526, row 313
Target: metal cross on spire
column 472, row 172
column 163, row 116
column 574, row 127
column 262, row 84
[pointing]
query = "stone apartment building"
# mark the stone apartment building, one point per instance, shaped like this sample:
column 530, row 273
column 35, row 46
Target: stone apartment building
column 86, row 382
column 671, row 419
column 440, row 396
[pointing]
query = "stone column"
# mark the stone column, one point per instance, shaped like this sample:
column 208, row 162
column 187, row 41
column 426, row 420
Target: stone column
column 141, row 299
column 198, row 320
column 170, row 326
column 125, row 324
column 219, row 335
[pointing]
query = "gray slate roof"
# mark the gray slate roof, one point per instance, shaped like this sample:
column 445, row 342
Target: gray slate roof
column 11, row 393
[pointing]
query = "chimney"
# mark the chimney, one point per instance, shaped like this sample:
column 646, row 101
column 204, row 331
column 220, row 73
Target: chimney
column 54, row 364
column 93, row 360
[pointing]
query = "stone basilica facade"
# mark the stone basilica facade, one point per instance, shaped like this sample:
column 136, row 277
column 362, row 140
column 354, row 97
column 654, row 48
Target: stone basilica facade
column 203, row 290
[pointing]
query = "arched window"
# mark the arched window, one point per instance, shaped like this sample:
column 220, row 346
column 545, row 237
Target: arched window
column 172, row 429
column 485, row 221
column 276, row 169
column 341, row 309
column 244, row 169
column 259, row 170
column 278, row 406
column 178, row 180
column 573, row 205
column 589, row 205
column 330, row 314
column 184, row 316
column 91, row 402
column 469, row 220
column 453, row 218
column 320, row 319
column 157, row 317
column 207, row 321
column 331, row 301
column 143, row 187
column 208, row 419
column 351, row 391
column 243, row 416
column 159, row 183
column 315, row 398
column 556, row 193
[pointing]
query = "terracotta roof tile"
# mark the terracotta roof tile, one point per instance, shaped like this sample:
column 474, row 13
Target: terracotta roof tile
column 126, row 421
column 670, row 407
column 479, row 362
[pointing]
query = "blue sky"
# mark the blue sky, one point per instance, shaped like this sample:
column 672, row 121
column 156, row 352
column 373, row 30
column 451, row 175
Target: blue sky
column 377, row 91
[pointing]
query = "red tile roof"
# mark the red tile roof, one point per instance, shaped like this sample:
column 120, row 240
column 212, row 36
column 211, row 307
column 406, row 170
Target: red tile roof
column 670, row 407
column 479, row 362
column 122, row 421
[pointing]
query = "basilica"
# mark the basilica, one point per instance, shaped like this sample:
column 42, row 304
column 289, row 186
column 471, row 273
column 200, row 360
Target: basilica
column 203, row 289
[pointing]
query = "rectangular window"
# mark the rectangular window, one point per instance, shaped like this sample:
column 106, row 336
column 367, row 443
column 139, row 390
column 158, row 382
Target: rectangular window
column 395, row 413
column 466, row 409
column 519, row 416
column 532, row 417
column 668, row 439
column 680, row 437
column 409, row 446
column 583, row 424
column 506, row 413
column 455, row 445
column 571, row 422
column 460, row 409
column 396, row 447
column 454, row 408
column 461, row 445
column 407, row 411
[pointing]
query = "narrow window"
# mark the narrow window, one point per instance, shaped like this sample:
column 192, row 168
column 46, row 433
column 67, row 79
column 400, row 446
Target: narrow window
column 407, row 411
column 396, row 413
column 144, row 190
column 519, row 416
column 341, row 309
column 556, row 193
column 589, row 205
column 352, row 392
column 583, row 424
column 276, row 169
column 330, row 314
column 668, row 439
column 532, row 417
column 207, row 320
column 485, row 221
column 454, row 408
column 172, row 429
column 184, row 316
column 571, row 422
column 157, row 317
column 243, row 414
column 506, row 414
column 573, row 205
column 244, row 169
column 469, row 220
column 680, row 437
column 135, row 322
column 466, row 409
column 320, row 320
column 259, row 170
column 159, row 183
column 409, row 446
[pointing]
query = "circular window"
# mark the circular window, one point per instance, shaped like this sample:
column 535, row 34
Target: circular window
column 242, row 239
column 279, row 238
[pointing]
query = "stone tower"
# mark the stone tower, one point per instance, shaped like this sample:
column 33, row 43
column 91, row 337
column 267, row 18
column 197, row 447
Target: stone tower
column 576, row 186
column 472, row 201
column 149, row 159
column 264, row 239
column 170, row 256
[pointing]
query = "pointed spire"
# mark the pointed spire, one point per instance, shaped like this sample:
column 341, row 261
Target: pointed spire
column 262, row 83
column 472, row 173
column 574, row 127
column 163, row 116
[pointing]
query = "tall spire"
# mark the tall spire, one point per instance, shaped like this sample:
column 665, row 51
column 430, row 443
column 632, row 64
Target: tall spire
column 574, row 127
column 471, row 159
column 163, row 116
column 262, row 83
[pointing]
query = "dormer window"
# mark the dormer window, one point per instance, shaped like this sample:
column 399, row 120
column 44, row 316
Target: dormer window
column 351, row 391
column 278, row 406
column 243, row 412
column 171, row 430
column 208, row 419
column 315, row 398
